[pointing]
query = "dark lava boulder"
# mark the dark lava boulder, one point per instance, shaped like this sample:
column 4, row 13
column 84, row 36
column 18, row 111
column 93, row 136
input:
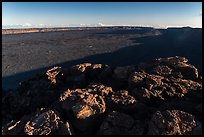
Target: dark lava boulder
column 172, row 122
column 116, row 123
column 98, row 71
column 45, row 122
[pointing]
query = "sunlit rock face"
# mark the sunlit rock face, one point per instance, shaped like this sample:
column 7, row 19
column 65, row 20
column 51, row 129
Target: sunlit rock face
column 159, row 97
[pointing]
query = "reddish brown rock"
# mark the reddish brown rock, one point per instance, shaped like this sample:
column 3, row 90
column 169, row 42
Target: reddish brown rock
column 53, row 73
column 180, row 64
column 123, row 102
column 162, row 70
column 172, row 122
column 191, row 85
column 121, row 97
column 100, row 89
column 90, row 105
column 153, row 81
column 152, row 89
column 87, row 105
column 137, row 79
column 45, row 123
column 143, row 79
column 81, row 67
column 85, row 94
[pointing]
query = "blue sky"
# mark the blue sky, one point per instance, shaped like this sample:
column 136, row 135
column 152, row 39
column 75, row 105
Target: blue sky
column 156, row 14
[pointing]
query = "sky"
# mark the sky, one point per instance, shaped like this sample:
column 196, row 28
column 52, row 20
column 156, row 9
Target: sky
column 153, row 14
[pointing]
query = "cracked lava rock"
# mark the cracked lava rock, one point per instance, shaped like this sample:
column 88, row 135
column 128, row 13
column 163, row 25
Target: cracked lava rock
column 159, row 97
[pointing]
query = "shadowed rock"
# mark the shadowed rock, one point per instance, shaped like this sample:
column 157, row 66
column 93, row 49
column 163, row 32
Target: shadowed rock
column 116, row 123
column 159, row 97
column 172, row 122
column 16, row 127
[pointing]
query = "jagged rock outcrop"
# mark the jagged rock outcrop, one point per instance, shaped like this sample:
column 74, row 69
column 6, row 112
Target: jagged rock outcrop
column 161, row 96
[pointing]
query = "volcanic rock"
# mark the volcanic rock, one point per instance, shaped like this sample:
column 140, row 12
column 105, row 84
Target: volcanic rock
column 162, row 85
column 90, row 105
column 123, row 102
column 159, row 97
column 137, row 79
column 86, row 105
column 162, row 70
column 172, row 122
column 116, row 123
column 53, row 73
column 86, row 102
column 44, row 123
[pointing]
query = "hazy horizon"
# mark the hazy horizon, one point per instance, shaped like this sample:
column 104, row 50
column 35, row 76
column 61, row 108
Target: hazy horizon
column 97, row 14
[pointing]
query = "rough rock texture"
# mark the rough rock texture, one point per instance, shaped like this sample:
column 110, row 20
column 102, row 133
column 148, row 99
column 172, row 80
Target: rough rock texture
column 53, row 73
column 163, row 79
column 172, row 122
column 116, row 123
column 122, row 101
column 46, row 122
column 161, row 96
column 90, row 105
column 86, row 102
column 85, row 105
column 43, row 124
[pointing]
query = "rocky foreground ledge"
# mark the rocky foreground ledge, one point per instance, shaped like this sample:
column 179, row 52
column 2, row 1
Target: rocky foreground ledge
column 159, row 97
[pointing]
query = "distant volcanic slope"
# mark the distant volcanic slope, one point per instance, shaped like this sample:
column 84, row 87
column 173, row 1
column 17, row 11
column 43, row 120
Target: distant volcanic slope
column 159, row 97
